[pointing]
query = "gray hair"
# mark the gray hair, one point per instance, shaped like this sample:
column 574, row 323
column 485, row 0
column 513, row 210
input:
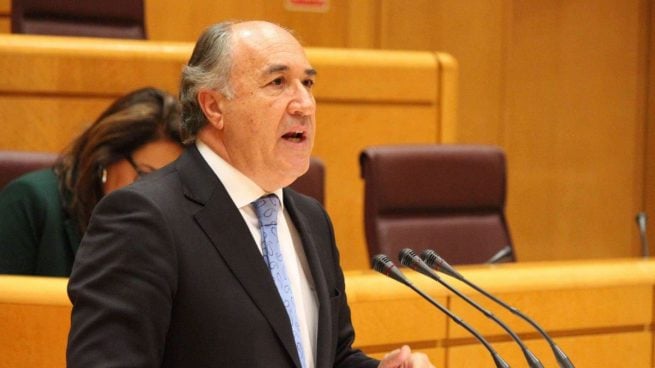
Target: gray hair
column 209, row 67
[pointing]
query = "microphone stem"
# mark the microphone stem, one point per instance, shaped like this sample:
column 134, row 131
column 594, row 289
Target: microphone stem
column 644, row 244
column 532, row 360
column 562, row 359
column 500, row 363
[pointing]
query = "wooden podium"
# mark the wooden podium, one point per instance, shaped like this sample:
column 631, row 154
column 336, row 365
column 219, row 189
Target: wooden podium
column 599, row 312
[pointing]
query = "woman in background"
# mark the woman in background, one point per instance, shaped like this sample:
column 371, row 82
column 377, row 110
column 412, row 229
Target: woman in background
column 43, row 214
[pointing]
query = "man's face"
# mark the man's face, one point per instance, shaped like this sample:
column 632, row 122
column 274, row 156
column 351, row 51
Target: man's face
column 269, row 124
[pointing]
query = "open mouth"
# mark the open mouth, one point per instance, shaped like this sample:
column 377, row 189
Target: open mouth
column 296, row 137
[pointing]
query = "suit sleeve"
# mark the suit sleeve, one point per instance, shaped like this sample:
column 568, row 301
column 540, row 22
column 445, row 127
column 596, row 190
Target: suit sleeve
column 122, row 286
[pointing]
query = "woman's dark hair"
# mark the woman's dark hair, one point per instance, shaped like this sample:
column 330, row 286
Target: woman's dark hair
column 138, row 118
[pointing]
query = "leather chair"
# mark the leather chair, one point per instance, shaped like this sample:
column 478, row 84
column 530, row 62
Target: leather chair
column 16, row 163
column 312, row 183
column 448, row 198
column 97, row 18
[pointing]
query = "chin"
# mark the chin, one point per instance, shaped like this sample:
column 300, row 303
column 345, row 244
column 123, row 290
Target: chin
column 300, row 167
column 293, row 171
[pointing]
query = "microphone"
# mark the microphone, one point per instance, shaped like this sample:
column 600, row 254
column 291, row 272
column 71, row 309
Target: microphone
column 641, row 219
column 410, row 259
column 383, row 265
column 432, row 259
column 502, row 255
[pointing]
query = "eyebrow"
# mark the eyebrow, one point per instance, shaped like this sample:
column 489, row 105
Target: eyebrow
column 283, row 68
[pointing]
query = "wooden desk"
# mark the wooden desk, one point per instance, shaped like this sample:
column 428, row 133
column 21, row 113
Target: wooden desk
column 599, row 312
column 34, row 320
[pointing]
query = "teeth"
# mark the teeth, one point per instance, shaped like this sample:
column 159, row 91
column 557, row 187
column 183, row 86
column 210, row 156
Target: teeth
column 295, row 135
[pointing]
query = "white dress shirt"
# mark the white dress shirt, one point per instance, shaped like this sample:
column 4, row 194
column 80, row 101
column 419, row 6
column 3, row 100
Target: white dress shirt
column 243, row 191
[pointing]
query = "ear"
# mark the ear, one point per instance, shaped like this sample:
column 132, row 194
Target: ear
column 209, row 101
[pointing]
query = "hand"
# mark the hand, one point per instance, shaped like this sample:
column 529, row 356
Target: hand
column 404, row 358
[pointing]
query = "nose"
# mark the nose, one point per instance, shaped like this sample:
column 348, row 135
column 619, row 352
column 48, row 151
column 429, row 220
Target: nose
column 302, row 102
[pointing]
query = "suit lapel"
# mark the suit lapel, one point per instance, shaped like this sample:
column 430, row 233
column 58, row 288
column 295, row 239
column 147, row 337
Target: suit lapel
column 324, row 354
column 222, row 223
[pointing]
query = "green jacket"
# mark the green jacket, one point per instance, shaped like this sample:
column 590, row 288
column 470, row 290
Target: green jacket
column 36, row 235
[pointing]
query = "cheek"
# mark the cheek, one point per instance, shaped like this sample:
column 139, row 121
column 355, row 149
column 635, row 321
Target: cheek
column 255, row 118
column 119, row 175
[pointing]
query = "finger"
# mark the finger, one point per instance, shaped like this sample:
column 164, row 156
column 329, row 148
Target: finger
column 396, row 358
column 392, row 352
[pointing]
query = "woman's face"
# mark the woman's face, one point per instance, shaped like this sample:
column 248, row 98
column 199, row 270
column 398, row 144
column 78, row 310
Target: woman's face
column 145, row 159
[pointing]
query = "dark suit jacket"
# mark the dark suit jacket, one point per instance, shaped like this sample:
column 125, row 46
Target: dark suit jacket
column 37, row 237
column 168, row 275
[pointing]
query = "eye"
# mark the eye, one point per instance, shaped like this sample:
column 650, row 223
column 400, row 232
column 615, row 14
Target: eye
column 308, row 83
column 277, row 81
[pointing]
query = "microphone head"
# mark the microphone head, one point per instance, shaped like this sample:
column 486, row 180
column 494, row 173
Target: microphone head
column 381, row 262
column 385, row 266
column 406, row 257
column 410, row 259
column 432, row 259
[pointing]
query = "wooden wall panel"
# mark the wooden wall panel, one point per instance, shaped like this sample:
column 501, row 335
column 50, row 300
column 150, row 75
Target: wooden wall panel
column 87, row 67
column 184, row 21
column 49, row 127
column 5, row 14
column 649, row 186
column 54, row 86
column 472, row 32
column 574, row 127
column 363, row 24
column 5, row 24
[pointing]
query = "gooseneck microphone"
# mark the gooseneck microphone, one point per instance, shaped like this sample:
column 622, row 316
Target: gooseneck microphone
column 641, row 219
column 383, row 265
column 505, row 253
column 410, row 259
column 432, row 259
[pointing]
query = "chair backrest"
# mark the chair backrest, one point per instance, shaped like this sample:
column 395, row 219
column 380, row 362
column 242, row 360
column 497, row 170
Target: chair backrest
column 312, row 183
column 97, row 18
column 448, row 198
column 16, row 163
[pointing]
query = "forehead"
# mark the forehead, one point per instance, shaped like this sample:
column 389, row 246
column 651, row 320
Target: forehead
column 260, row 46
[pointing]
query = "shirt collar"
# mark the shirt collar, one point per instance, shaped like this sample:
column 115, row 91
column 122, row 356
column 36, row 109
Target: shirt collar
column 241, row 189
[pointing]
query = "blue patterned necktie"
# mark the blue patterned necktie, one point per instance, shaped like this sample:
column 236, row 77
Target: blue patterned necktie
column 267, row 208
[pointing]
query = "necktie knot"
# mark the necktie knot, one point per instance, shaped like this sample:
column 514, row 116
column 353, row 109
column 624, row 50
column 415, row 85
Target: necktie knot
column 266, row 208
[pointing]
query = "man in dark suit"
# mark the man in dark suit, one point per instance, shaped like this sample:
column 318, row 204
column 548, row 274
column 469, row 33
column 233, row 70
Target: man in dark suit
column 174, row 271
